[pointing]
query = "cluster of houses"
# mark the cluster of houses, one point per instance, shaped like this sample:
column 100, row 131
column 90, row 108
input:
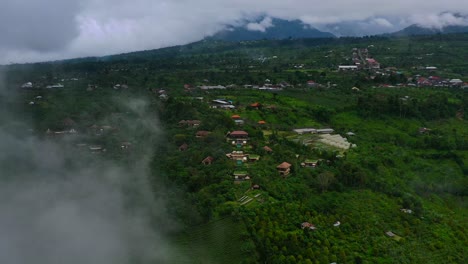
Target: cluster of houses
column 69, row 128
column 361, row 60
column 238, row 140
column 436, row 81
column 30, row 85
column 267, row 85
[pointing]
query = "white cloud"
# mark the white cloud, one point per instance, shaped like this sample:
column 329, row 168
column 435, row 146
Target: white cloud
column 439, row 20
column 382, row 22
column 261, row 26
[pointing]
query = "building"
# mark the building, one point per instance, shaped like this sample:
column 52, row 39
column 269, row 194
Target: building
column 212, row 87
column 284, row 169
column 301, row 131
column 311, row 83
column 325, row 131
column 125, row 145
column 183, row 147
column 239, row 122
column 307, row 225
column 309, row 163
column 237, row 155
column 189, row 123
column 202, row 134
column 208, row 160
column 255, row 105
column 220, row 103
column 372, row 63
column 241, row 175
column 347, row 68
column 54, row 86
column 238, row 137
column 456, row 82
column 253, row 157
column 27, row 85
column 267, row 149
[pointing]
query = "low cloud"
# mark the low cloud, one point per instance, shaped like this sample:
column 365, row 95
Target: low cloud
column 60, row 205
column 262, row 26
column 382, row 22
column 439, row 21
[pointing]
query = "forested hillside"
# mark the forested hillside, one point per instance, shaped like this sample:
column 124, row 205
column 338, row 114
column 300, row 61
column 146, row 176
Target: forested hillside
column 268, row 152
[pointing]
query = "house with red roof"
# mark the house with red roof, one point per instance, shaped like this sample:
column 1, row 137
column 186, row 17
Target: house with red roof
column 255, row 105
column 238, row 137
column 311, row 83
column 372, row 63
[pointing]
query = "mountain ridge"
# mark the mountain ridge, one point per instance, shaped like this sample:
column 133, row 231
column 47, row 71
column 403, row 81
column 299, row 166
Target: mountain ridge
column 277, row 29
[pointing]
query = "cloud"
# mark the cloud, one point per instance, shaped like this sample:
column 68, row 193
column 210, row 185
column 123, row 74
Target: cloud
column 382, row 22
column 59, row 205
column 101, row 27
column 261, row 26
column 34, row 25
column 439, row 21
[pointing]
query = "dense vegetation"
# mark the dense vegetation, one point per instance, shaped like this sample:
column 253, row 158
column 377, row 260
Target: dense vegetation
column 394, row 165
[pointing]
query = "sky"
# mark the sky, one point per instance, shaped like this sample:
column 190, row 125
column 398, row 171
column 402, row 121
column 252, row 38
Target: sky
column 38, row 30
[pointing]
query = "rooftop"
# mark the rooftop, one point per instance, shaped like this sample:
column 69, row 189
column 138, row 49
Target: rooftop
column 284, row 165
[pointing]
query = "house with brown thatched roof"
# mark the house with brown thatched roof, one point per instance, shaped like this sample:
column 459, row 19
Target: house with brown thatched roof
column 183, row 147
column 284, row 168
column 68, row 123
column 202, row 133
column 208, row 160
column 267, row 149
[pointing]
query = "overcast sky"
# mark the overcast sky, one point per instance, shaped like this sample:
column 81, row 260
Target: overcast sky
column 37, row 30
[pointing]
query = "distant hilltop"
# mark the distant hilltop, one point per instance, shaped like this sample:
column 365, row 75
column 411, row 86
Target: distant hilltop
column 419, row 30
column 270, row 29
column 278, row 29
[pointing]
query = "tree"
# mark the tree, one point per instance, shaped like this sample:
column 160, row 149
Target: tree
column 324, row 180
